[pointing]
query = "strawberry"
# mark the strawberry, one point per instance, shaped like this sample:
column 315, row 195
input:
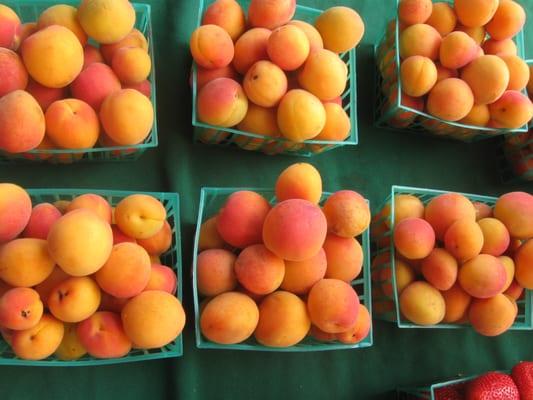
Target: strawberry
column 522, row 374
column 492, row 386
column 454, row 392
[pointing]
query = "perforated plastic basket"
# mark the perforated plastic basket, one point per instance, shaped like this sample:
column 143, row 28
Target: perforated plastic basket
column 391, row 113
column 211, row 200
column 233, row 137
column 388, row 307
column 171, row 258
column 29, row 11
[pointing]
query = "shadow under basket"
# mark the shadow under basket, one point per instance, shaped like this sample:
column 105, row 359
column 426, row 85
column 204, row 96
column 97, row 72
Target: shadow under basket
column 387, row 307
column 211, row 200
column 29, row 11
column 392, row 111
column 171, row 258
column 235, row 138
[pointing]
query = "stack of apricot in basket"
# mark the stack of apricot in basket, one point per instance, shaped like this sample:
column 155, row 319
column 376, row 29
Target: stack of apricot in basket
column 273, row 76
column 77, row 276
column 291, row 266
column 59, row 92
column 460, row 63
column 461, row 262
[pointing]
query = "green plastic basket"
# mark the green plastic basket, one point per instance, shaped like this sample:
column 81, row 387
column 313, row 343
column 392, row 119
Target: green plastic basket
column 211, row 200
column 29, row 11
column 429, row 392
column 383, row 243
column 390, row 113
column 232, row 137
column 171, row 258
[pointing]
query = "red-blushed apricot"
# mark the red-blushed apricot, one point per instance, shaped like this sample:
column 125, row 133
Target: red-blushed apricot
column 299, row 181
column 488, row 77
column 45, row 95
column 41, row 220
column 496, row 237
column 473, row 13
column 518, row 71
column 405, row 206
column 443, row 210
column 204, row 75
column 120, row 237
column 508, row 20
column 440, row 269
column 211, row 46
column 102, row 334
column 523, row 262
column 24, row 31
column 477, row 33
column 418, row 75
column 405, row 274
column 283, row 320
column 112, row 304
column 324, row 74
column 106, row 21
column 483, row 276
column 420, row 40
column 74, row 299
column 515, row 210
column 135, row 38
column 422, row 304
column 464, row 239
column 240, row 221
column 40, row 341
column 20, row 309
column 344, row 257
column 341, row 28
column 222, row 102
column 229, row 318
column 479, row 115
column 209, row 236
column 10, row 22
column 509, row 266
column 265, row 84
column 13, row 74
column 300, row 276
column 360, row 330
column 288, row 47
column 347, row 213
column 215, row 273
column 22, row 124
column 144, row 87
column 64, row 15
column 91, row 55
column 511, row 110
column 442, row 18
column 445, row 73
column 412, row 12
column 333, row 305
column 338, row 124
column 301, row 115
column 162, row 278
column 321, row 336
column 15, row 211
column 414, row 238
column 482, row 210
column 450, row 99
column 227, row 14
column 259, row 270
column 457, row 50
column 270, row 13
column 313, row 35
column 70, row 347
column 514, row 290
column 457, row 303
column 250, row 48
column 493, row 316
column 160, row 242
column 93, row 202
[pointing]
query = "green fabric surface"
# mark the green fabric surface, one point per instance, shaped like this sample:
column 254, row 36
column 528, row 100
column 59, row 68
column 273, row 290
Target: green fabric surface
column 383, row 158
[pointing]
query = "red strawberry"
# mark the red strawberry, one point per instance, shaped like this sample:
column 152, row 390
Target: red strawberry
column 492, row 386
column 522, row 374
column 454, row 392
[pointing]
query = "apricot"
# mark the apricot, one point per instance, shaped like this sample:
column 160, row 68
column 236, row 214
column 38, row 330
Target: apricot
column 496, row 238
column 103, row 336
column 250, row 48
column 479, row 115
column 10, row 23
column 414, row 238
column 204, row 75
column 131, row 65
column 444, row 73
column 144, row 87
column 443, row 210
column 515, row 210
column 211, row 46
column 222, row 102
column 442, row 18
column 160, row 242
column 120, row 237
column 457, row 50
column 482, row 210
column 418, row 75
column 64, row 15
column 162, row 278
column 301, row 115
column 15, row 211
column 457, row 303
column 440, row 269
column 518, row 71
column 127, row 116
column 412, row 12
column 70, row 347
column 338, row 124
column 482, row 71
column 110, row 303
column 80, row 242
column 38, row 342
column 405, row 206
column 135, row 38
column 483, row 276
column 493, row 316
column 508, row 20
column 91, row 55
column 215, row 272
column 477, row 33
column 420, row 40
column 261, row 121
column 259, row 270
column 475, row 13
column 333, row 305
column 322, row 336
column 511, row 110
column 270, row 14
column 265, row 84
column 509, row 266
column 74, row 299
column 227, row 14
column 500, row 47
column 422, row 304
column 405, row 274
column 514, row 291
column 20, row 309
column 347, row 213
column 299, row 181
column 450, row 99
column 45, row 95
column 94, row 203
column 523, row 261
column 106, row 21
column 313, row 35
column 344, row 257
column 22, row 124
column 55, row 278
column 323, row 74
column 240, row 221
column 464, row 239
column 209, row 236
column 126, row 272
column 13, row 75
column 360, row 330
column 288, row 47
column 229, row 318
column 300, row 276
column 341, row 28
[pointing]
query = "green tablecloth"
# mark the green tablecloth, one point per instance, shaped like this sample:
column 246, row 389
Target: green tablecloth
column 383, row 158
